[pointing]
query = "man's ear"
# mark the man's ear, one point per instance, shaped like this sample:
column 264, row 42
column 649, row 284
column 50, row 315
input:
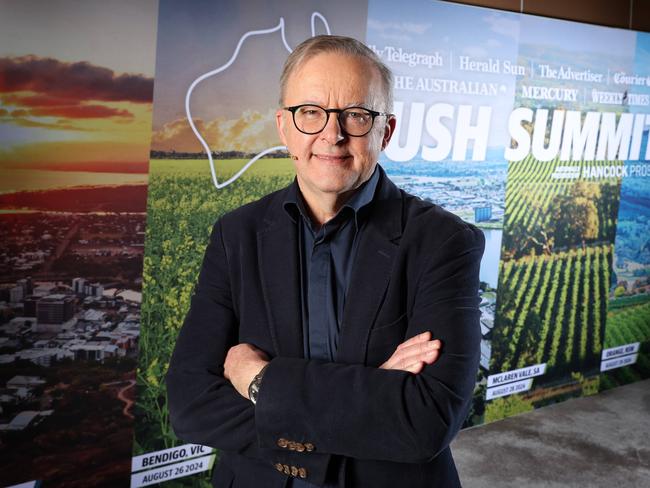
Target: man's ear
column 389, row 129
column 280, row 123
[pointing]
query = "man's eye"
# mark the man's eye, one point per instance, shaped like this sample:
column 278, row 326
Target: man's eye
column 356, row 116
column 310, row 112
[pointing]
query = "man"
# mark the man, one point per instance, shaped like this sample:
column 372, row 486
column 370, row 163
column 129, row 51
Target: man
column 333, row 337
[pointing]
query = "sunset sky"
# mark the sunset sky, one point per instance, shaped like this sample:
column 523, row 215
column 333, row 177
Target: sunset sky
column 233, row 110
column 76, row 83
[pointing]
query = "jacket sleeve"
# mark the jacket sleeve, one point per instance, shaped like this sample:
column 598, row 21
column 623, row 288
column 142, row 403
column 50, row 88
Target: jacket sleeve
column 369, row 413
column 204, row 407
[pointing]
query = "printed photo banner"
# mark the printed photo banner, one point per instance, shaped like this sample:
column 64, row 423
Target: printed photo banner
column 75, row 129
column 530, row 128
column 219, row 64
column 560, row 111
column 535, row 130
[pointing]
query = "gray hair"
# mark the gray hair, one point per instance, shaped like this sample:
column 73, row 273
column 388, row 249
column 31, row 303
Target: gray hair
column 342, row 45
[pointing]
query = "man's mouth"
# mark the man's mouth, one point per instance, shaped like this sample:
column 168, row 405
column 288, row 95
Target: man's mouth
column 332, row 158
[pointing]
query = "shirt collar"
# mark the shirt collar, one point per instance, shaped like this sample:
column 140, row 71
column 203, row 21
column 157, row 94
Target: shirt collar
column 294, row 204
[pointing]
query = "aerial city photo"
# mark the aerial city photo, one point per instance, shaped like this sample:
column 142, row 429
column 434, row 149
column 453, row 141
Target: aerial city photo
column 75, row 120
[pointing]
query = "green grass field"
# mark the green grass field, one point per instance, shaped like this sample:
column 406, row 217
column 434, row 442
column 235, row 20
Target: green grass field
column 556, row 311
column 183, row 204
column 628, row 321
column 225, row 169
column 553, row 280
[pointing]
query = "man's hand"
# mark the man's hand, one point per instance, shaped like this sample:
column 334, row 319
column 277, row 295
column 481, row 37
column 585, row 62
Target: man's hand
column 413, row 354
column 242, row 363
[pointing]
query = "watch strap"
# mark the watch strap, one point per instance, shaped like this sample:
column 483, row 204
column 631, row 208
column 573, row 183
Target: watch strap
column 254, row 386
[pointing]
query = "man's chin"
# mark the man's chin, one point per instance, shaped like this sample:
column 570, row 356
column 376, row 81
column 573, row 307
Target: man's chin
column 336, row 186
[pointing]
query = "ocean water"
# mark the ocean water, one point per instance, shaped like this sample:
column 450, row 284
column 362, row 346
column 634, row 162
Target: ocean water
column 15, row 180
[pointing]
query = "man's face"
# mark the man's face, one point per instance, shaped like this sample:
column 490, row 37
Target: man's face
column 331, row 162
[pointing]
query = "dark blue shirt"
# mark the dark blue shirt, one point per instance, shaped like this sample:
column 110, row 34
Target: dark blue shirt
column 327, row 255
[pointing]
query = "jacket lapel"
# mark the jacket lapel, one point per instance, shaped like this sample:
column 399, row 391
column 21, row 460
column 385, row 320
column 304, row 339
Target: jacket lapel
column 371, row 272
column 278, row 256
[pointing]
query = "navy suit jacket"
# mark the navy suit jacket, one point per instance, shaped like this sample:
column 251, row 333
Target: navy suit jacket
column 416, row 270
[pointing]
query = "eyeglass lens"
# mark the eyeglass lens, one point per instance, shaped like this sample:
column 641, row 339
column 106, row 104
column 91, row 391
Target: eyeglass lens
column 313, row 119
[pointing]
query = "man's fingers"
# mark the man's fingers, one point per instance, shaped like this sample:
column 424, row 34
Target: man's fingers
column 432, row 356
column 423, row 337
column 418, row 352
column 414, row 368
column 410, row 354
column 396, row 356
column 426, row 354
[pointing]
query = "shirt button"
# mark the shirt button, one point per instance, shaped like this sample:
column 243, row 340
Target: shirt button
column 302, row 472
column 282, row 442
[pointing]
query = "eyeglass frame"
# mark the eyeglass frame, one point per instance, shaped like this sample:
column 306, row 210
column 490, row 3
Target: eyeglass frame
column 338, row 111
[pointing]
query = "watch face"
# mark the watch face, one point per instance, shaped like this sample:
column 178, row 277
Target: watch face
column 254, row 388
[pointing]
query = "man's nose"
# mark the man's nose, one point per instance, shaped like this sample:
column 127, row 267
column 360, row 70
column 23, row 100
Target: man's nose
column 332, row 132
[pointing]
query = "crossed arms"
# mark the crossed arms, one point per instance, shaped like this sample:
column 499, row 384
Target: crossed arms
column 408, row 410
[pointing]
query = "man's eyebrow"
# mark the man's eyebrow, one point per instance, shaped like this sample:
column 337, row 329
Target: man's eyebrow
column 309, row 102
column 363, row 104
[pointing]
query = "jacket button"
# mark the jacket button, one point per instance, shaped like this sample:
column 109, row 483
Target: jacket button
column 278, row 466
column 299, row 447
column 294, row 471
column 282, row 442
column 309, row 447
column 285, row 469
column 302, row 472
column 291, row 445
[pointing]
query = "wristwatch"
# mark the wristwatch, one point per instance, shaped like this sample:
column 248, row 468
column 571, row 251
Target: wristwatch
column 254, row 387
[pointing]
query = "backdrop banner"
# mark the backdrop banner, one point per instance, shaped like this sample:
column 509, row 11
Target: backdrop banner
column 535, row 130
column 75, row 130
column 217, row 72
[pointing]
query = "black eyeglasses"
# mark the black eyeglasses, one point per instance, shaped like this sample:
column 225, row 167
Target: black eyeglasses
column 354, row 121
